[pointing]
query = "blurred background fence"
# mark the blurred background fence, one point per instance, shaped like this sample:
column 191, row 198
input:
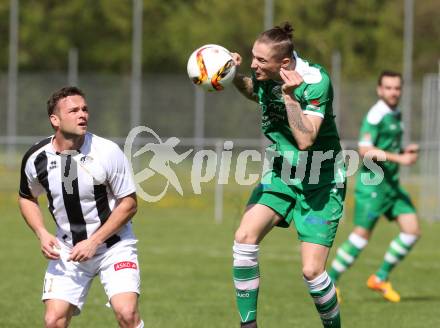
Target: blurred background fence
column 170, row 105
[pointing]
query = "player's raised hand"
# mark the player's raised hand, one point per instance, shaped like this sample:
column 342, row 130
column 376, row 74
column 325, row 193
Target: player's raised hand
column 49, row 246
column 291, row 79
column 83, row 251
column 236, row 58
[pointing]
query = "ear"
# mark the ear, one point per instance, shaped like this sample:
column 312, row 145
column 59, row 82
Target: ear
column 379, row 91
column 285, row 62
column 54, row 120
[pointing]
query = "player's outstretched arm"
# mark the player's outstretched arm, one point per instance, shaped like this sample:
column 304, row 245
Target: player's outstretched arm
column 242, row 82
column 245, row 86
column 31, row 212
column 121, row 214
column 406, row 158
column 412, row 148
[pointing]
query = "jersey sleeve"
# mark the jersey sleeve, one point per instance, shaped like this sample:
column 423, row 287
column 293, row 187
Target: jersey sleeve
column 119, row 176
column 317, row 98
column 30, row 187
column 369, row 133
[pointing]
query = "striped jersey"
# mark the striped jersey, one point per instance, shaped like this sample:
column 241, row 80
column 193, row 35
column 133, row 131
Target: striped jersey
column 82, row 186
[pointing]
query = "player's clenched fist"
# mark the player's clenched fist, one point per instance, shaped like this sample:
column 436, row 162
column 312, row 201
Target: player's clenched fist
column 49, row 246
column 291, row 79
column 236, row 58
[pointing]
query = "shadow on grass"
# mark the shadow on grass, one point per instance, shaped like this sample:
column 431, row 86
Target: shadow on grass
column 405, row 299
column 421, row 298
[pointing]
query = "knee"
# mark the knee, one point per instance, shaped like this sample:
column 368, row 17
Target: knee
column 414, row 231
column 243, row 236
column 409, row 224
column 311, row 272
column 127, row 316
column 53, row 320
column 362, row 233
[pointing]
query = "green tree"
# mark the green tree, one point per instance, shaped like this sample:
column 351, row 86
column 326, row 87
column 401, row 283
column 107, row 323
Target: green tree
column 368, row 33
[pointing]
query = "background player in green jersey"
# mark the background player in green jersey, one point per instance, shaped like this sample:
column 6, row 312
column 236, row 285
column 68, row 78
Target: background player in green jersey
column 381, row 136
column 296, row 103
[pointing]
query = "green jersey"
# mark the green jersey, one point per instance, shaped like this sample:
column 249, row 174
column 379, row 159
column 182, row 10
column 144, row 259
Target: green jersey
column 382, row 128
column 315, row 96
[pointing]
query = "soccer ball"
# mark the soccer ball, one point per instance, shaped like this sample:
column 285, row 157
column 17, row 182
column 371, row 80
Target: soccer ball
column 211, row 67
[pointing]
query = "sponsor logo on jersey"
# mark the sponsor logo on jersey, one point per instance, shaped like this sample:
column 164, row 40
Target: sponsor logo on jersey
column 53, row 165
column 86, row 159
column 125, row 265
column 314, row 102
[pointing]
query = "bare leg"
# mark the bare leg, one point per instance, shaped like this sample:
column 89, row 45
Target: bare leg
column 58, row 313
column 125, row 306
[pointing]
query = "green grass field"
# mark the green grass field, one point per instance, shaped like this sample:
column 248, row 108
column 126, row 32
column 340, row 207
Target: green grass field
column 186, row 260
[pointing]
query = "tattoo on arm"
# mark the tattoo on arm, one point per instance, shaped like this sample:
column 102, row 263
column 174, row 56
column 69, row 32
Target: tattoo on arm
column 294, row 116
column 245, row 86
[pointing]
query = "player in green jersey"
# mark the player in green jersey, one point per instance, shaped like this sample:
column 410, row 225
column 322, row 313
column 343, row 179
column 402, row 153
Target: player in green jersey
column 295, row 98
column 380, row 139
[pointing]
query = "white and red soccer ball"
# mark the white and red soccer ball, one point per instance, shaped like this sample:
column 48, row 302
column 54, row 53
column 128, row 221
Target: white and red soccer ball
column 211, row 67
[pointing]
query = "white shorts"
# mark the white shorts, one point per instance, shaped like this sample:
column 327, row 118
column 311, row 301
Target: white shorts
column 118, row 270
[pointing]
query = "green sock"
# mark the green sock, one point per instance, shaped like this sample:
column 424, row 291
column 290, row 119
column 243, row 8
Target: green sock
column 246, row 273
column 323, row 292
column 247, row 298
column 396, row 252
column 346, row 255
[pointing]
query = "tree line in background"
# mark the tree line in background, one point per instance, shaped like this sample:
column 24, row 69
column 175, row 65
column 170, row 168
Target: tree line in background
column 367, row 33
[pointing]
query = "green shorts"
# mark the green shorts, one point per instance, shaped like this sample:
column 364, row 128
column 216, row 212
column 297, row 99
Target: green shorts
column 315, row 213
column 370, row 205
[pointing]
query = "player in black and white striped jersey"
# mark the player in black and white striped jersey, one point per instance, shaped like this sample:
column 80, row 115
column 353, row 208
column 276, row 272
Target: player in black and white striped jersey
column 91, row 197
